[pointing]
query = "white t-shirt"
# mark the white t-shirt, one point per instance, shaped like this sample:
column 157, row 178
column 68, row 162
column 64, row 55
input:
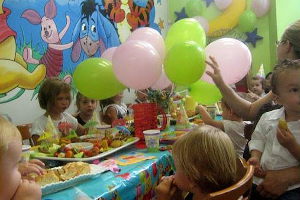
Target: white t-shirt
column 39, row 125
column 274, row 155
column 235, row 130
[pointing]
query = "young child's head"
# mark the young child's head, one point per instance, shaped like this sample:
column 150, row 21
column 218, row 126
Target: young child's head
column 54, row 95
column 228, row 113
column 286, row 84
column 256, row 85
column 141, row 95
column 205, row 159
column 267, row 82
column 85, row 105
column 10, row 155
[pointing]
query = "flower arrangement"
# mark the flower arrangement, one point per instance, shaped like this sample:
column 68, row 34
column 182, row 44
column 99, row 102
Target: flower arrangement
column 161, row 97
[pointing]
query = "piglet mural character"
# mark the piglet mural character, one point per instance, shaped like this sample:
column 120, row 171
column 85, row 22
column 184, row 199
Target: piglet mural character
column 53, row 58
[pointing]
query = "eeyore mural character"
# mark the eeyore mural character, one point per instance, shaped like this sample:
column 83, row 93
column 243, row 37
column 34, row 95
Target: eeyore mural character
column 93, row 32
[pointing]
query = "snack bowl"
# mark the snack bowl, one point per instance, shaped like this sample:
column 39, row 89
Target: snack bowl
column 80, row 145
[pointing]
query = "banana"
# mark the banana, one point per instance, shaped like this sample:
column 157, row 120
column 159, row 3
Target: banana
column 228, row 20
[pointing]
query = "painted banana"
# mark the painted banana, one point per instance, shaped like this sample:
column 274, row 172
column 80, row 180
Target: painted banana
column 228, row 20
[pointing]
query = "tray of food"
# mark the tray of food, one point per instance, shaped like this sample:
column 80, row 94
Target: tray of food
column 91, row 149
column 69, row 175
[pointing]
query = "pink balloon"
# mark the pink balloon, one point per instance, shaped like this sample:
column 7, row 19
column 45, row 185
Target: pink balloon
column 162, row 83
column 150, row 36
column 137, row 64
column 108, row 53
column 233, row 57
column 222, row 4
column 203, row 22
column 260, row 7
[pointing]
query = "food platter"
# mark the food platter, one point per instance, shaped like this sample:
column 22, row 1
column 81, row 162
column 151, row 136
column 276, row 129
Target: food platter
column 87, row 159
column 55, row 187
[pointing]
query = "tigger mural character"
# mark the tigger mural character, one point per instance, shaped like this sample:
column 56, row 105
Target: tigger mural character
column 13, row 68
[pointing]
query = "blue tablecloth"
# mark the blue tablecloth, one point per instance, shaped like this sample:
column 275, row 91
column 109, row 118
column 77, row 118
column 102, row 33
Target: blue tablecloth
column 134, row 181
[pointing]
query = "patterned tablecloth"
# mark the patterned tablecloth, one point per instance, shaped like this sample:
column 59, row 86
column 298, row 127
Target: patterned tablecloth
column 134, row 181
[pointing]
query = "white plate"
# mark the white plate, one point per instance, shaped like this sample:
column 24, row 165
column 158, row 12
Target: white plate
column 55, row 187
column 101, row 155
column 80, row 145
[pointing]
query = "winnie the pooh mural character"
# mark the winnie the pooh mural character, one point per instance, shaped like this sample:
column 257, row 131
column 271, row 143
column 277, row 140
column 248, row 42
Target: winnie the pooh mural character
column 53, row 58
column 13, row 69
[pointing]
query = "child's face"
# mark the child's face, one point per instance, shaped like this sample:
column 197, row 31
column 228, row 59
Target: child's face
column 118, row 97
column 256, row 87
column 62, row 102
column 10, row 176
column 180, row 179
column 141, row 95
column 87, row 106
column 268, row 82
column 288, row 91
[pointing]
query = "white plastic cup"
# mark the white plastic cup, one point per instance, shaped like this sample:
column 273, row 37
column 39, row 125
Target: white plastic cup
column 152, row 139
column 160, row 120
column 25, row 153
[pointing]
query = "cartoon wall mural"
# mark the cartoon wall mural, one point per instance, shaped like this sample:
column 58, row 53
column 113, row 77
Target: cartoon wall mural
column 13, row 69
column 49, row 38
column 53, row 57
column 93, row 32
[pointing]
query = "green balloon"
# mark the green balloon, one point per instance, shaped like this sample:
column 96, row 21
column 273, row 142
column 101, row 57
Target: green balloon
column 185, row 63
column 205, row 93
column 184, row 30
column 247, row 21
column 194, row 8
column 94, row 78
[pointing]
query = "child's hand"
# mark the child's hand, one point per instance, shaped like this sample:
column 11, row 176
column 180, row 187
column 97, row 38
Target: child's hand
column 200, row 109
column 286, row 138
column 258, row 171
column 216, row 75
column 252, row 95
column 166, row 189
column 32, row 166
column 28, row 190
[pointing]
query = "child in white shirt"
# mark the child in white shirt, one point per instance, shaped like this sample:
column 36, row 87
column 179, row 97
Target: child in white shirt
column 266, row 151
column 55, row 97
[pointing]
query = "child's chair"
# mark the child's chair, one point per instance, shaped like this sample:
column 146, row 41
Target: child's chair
column 24, row 130
column 240, row 189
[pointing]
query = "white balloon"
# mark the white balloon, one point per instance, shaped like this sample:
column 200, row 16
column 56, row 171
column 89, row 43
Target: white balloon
column 260, row 7
column 222, row 4
column 203, row 22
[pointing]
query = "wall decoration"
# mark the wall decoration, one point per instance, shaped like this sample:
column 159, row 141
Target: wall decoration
column 31, row 51
column 252, row 37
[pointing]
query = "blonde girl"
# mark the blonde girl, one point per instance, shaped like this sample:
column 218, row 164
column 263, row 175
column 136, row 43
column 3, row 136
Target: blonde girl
column 205, row 162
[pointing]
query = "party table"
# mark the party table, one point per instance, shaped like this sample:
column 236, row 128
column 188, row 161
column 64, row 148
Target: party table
column 134, row 181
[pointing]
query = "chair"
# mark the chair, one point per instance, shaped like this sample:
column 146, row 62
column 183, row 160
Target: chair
column 239, row 189
column 25, row 133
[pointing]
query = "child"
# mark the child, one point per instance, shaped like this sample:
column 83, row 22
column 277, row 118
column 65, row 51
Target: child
column 113, row 108
column 205, row 162
column 55, row 97
column 86, row 108
column 267, row 82
column 232, row 124
column 256, row 88
column 141, row 96
column 266, row 151
column 11, row 185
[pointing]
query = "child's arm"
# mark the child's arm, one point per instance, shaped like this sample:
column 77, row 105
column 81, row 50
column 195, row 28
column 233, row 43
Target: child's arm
column 28, row 190
column 255, row 161
column 112, row 113
column 208, row 120
column 81, row 130
column 287, row 139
